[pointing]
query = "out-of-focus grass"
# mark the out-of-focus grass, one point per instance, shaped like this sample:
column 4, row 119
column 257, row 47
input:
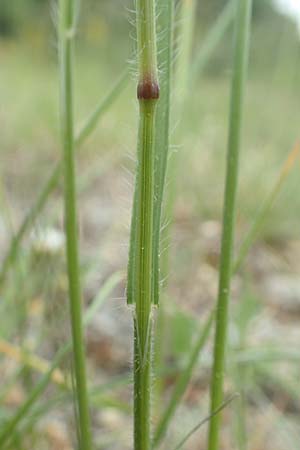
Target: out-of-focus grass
column 29, row 123
column 29, row 118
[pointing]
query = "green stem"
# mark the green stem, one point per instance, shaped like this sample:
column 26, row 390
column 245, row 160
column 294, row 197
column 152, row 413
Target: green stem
column 142, row 398
column 142, row 276
column 146, row 39
column 140, row 279
column 243, row 20
column 67, row 31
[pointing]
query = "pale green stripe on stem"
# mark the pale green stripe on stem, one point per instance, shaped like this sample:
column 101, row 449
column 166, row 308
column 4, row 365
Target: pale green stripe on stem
column 141, row 273
column 243, row 20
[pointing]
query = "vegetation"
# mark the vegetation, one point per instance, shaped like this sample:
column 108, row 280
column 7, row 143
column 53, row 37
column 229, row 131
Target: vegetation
column 70, row 387
column 67, row 30
column 243, row 23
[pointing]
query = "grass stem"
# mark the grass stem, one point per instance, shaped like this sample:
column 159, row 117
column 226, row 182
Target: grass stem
column 243, row 20
column 140, row 292
column 142, row 277
column 66, row 44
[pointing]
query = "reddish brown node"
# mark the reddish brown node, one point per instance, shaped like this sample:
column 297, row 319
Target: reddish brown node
column 148, row 90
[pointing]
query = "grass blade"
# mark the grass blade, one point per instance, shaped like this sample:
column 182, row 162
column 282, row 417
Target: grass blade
column 41, row 365
column 102, row 295
column 265, row 209
column 187, row 18
column 165, row 17
column 162, row 136
column 22, row 412
column 212, row 40
column 35, row 394
column 15, row 242
column 52, row 182
column 29, row 359
column 185, row 79
column 205, row 420
column 243, row 20
column 183, row 380
column 91, row 122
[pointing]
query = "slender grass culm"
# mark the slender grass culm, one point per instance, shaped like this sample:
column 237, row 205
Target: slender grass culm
column 243, row 21
column 66, row 50
column 140, row 290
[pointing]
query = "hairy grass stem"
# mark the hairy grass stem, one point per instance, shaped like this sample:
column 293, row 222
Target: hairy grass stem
column 243, row 20
column 140, row 290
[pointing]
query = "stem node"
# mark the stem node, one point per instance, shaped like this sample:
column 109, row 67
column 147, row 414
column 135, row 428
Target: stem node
column 148, row 89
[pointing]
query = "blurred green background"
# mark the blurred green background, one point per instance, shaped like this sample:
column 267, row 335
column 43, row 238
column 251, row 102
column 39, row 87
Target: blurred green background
column 105, row 45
